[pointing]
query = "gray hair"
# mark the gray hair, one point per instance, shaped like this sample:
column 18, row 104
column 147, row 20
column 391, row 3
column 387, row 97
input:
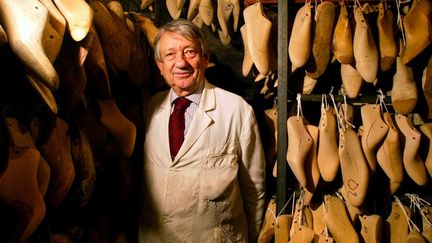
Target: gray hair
column 186, row 29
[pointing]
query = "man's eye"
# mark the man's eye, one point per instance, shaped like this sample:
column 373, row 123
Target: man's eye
column 169, row 55
column 189, row 53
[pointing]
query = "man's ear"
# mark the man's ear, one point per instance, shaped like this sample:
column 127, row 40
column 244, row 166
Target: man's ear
column 159, row 64
column 206, row 59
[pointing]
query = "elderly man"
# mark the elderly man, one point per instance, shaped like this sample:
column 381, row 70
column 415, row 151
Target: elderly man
column 204, row 166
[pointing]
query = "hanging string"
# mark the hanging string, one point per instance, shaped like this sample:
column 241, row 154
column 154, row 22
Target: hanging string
column 293, row 203
column 419, row 203
column 324, row 104
column 357, row 4
column 299, row 108
column 282, row 210
column 411, row 224
column 300, row 203
column 285, row 205
column 382, row 102
column 344, row 110
column 338, row 118
column 399, row 21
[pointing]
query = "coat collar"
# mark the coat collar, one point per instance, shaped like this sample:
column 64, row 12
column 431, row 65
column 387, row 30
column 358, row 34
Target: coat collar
column 201, row 120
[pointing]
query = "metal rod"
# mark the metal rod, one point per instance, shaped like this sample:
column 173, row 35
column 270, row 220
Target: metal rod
column 360, row 100
column 282, row 104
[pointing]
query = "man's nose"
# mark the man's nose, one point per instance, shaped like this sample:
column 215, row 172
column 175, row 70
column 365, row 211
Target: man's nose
column 180, row 59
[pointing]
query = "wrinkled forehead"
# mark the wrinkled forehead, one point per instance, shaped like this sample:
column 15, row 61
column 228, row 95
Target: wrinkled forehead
column 172, row 39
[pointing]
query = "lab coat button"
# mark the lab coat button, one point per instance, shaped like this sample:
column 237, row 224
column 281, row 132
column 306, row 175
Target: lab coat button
column 172, row 171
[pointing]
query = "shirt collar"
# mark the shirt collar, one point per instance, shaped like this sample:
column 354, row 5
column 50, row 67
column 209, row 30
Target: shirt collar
column 194, row 97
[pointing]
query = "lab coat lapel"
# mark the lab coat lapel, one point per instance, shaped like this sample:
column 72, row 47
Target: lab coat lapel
column 201, row 120
column 161, row 116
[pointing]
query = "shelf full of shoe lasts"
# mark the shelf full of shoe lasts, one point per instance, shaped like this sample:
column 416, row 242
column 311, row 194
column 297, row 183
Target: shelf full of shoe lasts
column 284, row 99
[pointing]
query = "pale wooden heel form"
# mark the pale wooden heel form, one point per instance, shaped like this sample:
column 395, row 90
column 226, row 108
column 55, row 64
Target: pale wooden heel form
column 398, row 223
column 224, row 12
column 374, row 131
column 299, row 145
column 404, row 90
column 258, row 34
column 415, row 237
column 427, row 131
column 267, row 231
column 389, row 155
column 337, row 221
column 417, row 25
column 371, row 227
column 205, row 10
column 147, row 26
column 387, row 37
column 282, row 228
column 354, row 167
column 351, row 79
column 52, row 43
column 301, row 228
column 328, row 157
column 427, row 86
column 324, row 25
column 342, row 43
column 413, row 164
column 24, row 23
column 193, row 9
column 317, row 210
column 311, row 166
column 247, row 59
column 300, row 44
column 308, row 84
column 115, row 44
column 304, row 235
column 19, row 184
column 57, row 21
column 174, row 8
column 365, row 50
column 427, row 226
column 79, row 17
column 352, row 211
column 123, row 130
column 236, row 13
column 56, row 151
column 319, row 227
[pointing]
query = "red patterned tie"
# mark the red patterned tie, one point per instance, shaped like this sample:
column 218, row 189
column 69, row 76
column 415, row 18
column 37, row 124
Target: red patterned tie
column 177, row 125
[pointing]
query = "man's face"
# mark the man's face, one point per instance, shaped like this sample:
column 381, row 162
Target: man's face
column 182, row 64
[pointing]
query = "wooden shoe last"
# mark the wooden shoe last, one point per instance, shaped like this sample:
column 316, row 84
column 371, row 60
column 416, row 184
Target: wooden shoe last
column 374, row 131
column 24, row 23
column 328, row 157
column 300, row 44
column 389, row 155
column 342, row 42
column 324, row 25
column 417, row 25
column 299, row 145
column 365, row 50
column 79, row 17
column 387, row 37
column 19, row 185
column 413, row 164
